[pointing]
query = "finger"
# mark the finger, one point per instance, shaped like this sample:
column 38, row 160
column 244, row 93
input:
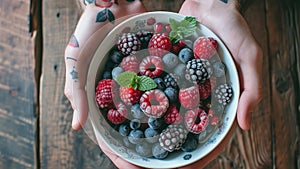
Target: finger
column 118, row 161
column 80, row 110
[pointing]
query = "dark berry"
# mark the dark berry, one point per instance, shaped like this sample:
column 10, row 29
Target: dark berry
column 185, row 55
column 160, row 83
column 171, row 80
column 136, row 112
column 106, row 75
column 172, row 94
column 116, row 57
column 190, row 144
column 223, row 94
column 156, row 123
column 151, row 135
column 124, row 129
column 136, row 136
column 135, row 124
column 170, row 60
column 159, row 152
column 144, row 36
column 116, row 72
column 144, row 149
column 198, row 70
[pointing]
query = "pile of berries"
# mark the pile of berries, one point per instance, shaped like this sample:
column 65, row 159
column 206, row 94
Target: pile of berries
column 189, row 82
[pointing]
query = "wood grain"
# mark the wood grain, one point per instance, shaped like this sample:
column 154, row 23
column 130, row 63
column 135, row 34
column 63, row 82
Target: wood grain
column 17, row 91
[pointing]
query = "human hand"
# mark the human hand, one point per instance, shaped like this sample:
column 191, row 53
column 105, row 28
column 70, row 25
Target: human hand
column 226, row 21
column 97, row 20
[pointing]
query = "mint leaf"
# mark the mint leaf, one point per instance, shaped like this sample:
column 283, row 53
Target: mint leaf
column 146, row 83
column 182, row 29
column 126, row 79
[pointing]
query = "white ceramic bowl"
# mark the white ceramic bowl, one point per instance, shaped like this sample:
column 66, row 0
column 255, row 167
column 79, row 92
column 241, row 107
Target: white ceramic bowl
column 110, row 136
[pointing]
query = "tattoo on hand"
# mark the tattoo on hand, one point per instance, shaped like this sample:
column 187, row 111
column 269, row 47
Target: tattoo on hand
column 225, row 1
column 74, row 74
column 71, row 58
column 105, row 15
column 73, row 42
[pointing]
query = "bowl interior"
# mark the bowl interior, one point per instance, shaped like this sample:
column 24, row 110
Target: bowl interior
column 109, row 135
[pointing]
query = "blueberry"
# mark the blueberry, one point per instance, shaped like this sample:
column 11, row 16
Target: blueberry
column 190, row 144
column 180, row 70
column 156, row 123
column 106, row 75
column 135, row 124
column 160, row 83
column 170, row 60
column 151, row 135
column 172, row 94
column 116, row 72
column 143, row 149
column 116, row 57
column 185, row 55
column 136, row 136
column 159, row 152
column 219, row 69
column 136, row 111
column 124, row 129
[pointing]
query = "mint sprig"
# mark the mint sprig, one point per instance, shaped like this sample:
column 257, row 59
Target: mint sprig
column 131, row 79
column 182, row 29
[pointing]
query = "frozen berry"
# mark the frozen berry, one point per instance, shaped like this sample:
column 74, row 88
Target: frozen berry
column 116, row 57
column 128, row 43
column 223, row 94
column 130, row 95
column 118, row 115
column 159, row 152
column 154, row 103
column 198, row 70
column 130, row 63
column 124, row 129
column 173, row 116
column 172, row 94
column 190, row 144
column 136, row 136
column 135, row 124
column 105, row 92
column 151, row 66
column 189, row 97
column 159, row 45
column 173, row 137
column 144, row 36
column 185, row 55
column 160, row 83
column 196, row 120
column 116, row 72
column 171, row 80
column 204, row 90
column 170, row 60
column 107, row 75
column 156, row 123
column 136, row 112
column 205, row 48
column 159, row 27
column 151, row 135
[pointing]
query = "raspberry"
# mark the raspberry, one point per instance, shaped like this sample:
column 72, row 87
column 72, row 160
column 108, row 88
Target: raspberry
column 130, row 63
column 105, row 93
column 204, row 90
column 154, row 103
column 151, row 66
column 205, row 48
column 173, row 137
column 189, row 97
column 130, row 95
column 173, row 116
column 198, row 70
column 128, row 43
column 159, row 45
column 118, row 115
column 196, row 120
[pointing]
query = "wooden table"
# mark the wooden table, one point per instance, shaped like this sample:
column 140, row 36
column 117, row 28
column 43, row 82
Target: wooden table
column 35, row 116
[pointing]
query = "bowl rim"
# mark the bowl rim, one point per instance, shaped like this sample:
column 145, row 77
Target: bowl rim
column 91, row 81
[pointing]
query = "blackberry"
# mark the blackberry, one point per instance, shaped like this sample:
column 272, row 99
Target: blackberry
column 198, row 70
column 223, row 94
column 144, row 36
column 171, row 80
column 128, row 43
column 173, row 137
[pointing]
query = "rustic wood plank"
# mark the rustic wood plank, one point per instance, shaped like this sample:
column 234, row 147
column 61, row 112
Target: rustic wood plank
column 60, row 146
column 283, row 26
column 17, row 91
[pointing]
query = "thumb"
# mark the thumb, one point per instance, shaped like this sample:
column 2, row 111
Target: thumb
column 80, row 113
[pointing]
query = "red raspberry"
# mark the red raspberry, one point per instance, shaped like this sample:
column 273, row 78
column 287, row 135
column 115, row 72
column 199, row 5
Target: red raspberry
column 151, row 66
column 173, row 116
column 118, row 115
column 159, row 45
column 130, row 63
column 105, row 92
column 189, row 97
column 205, row 90
column 205, row 48
column 130, row 95
column 214, row 120
column 196, row 120
column 159, row 27
column 154, row 103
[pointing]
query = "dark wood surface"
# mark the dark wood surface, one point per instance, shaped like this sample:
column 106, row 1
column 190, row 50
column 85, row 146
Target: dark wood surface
column 35, row 116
